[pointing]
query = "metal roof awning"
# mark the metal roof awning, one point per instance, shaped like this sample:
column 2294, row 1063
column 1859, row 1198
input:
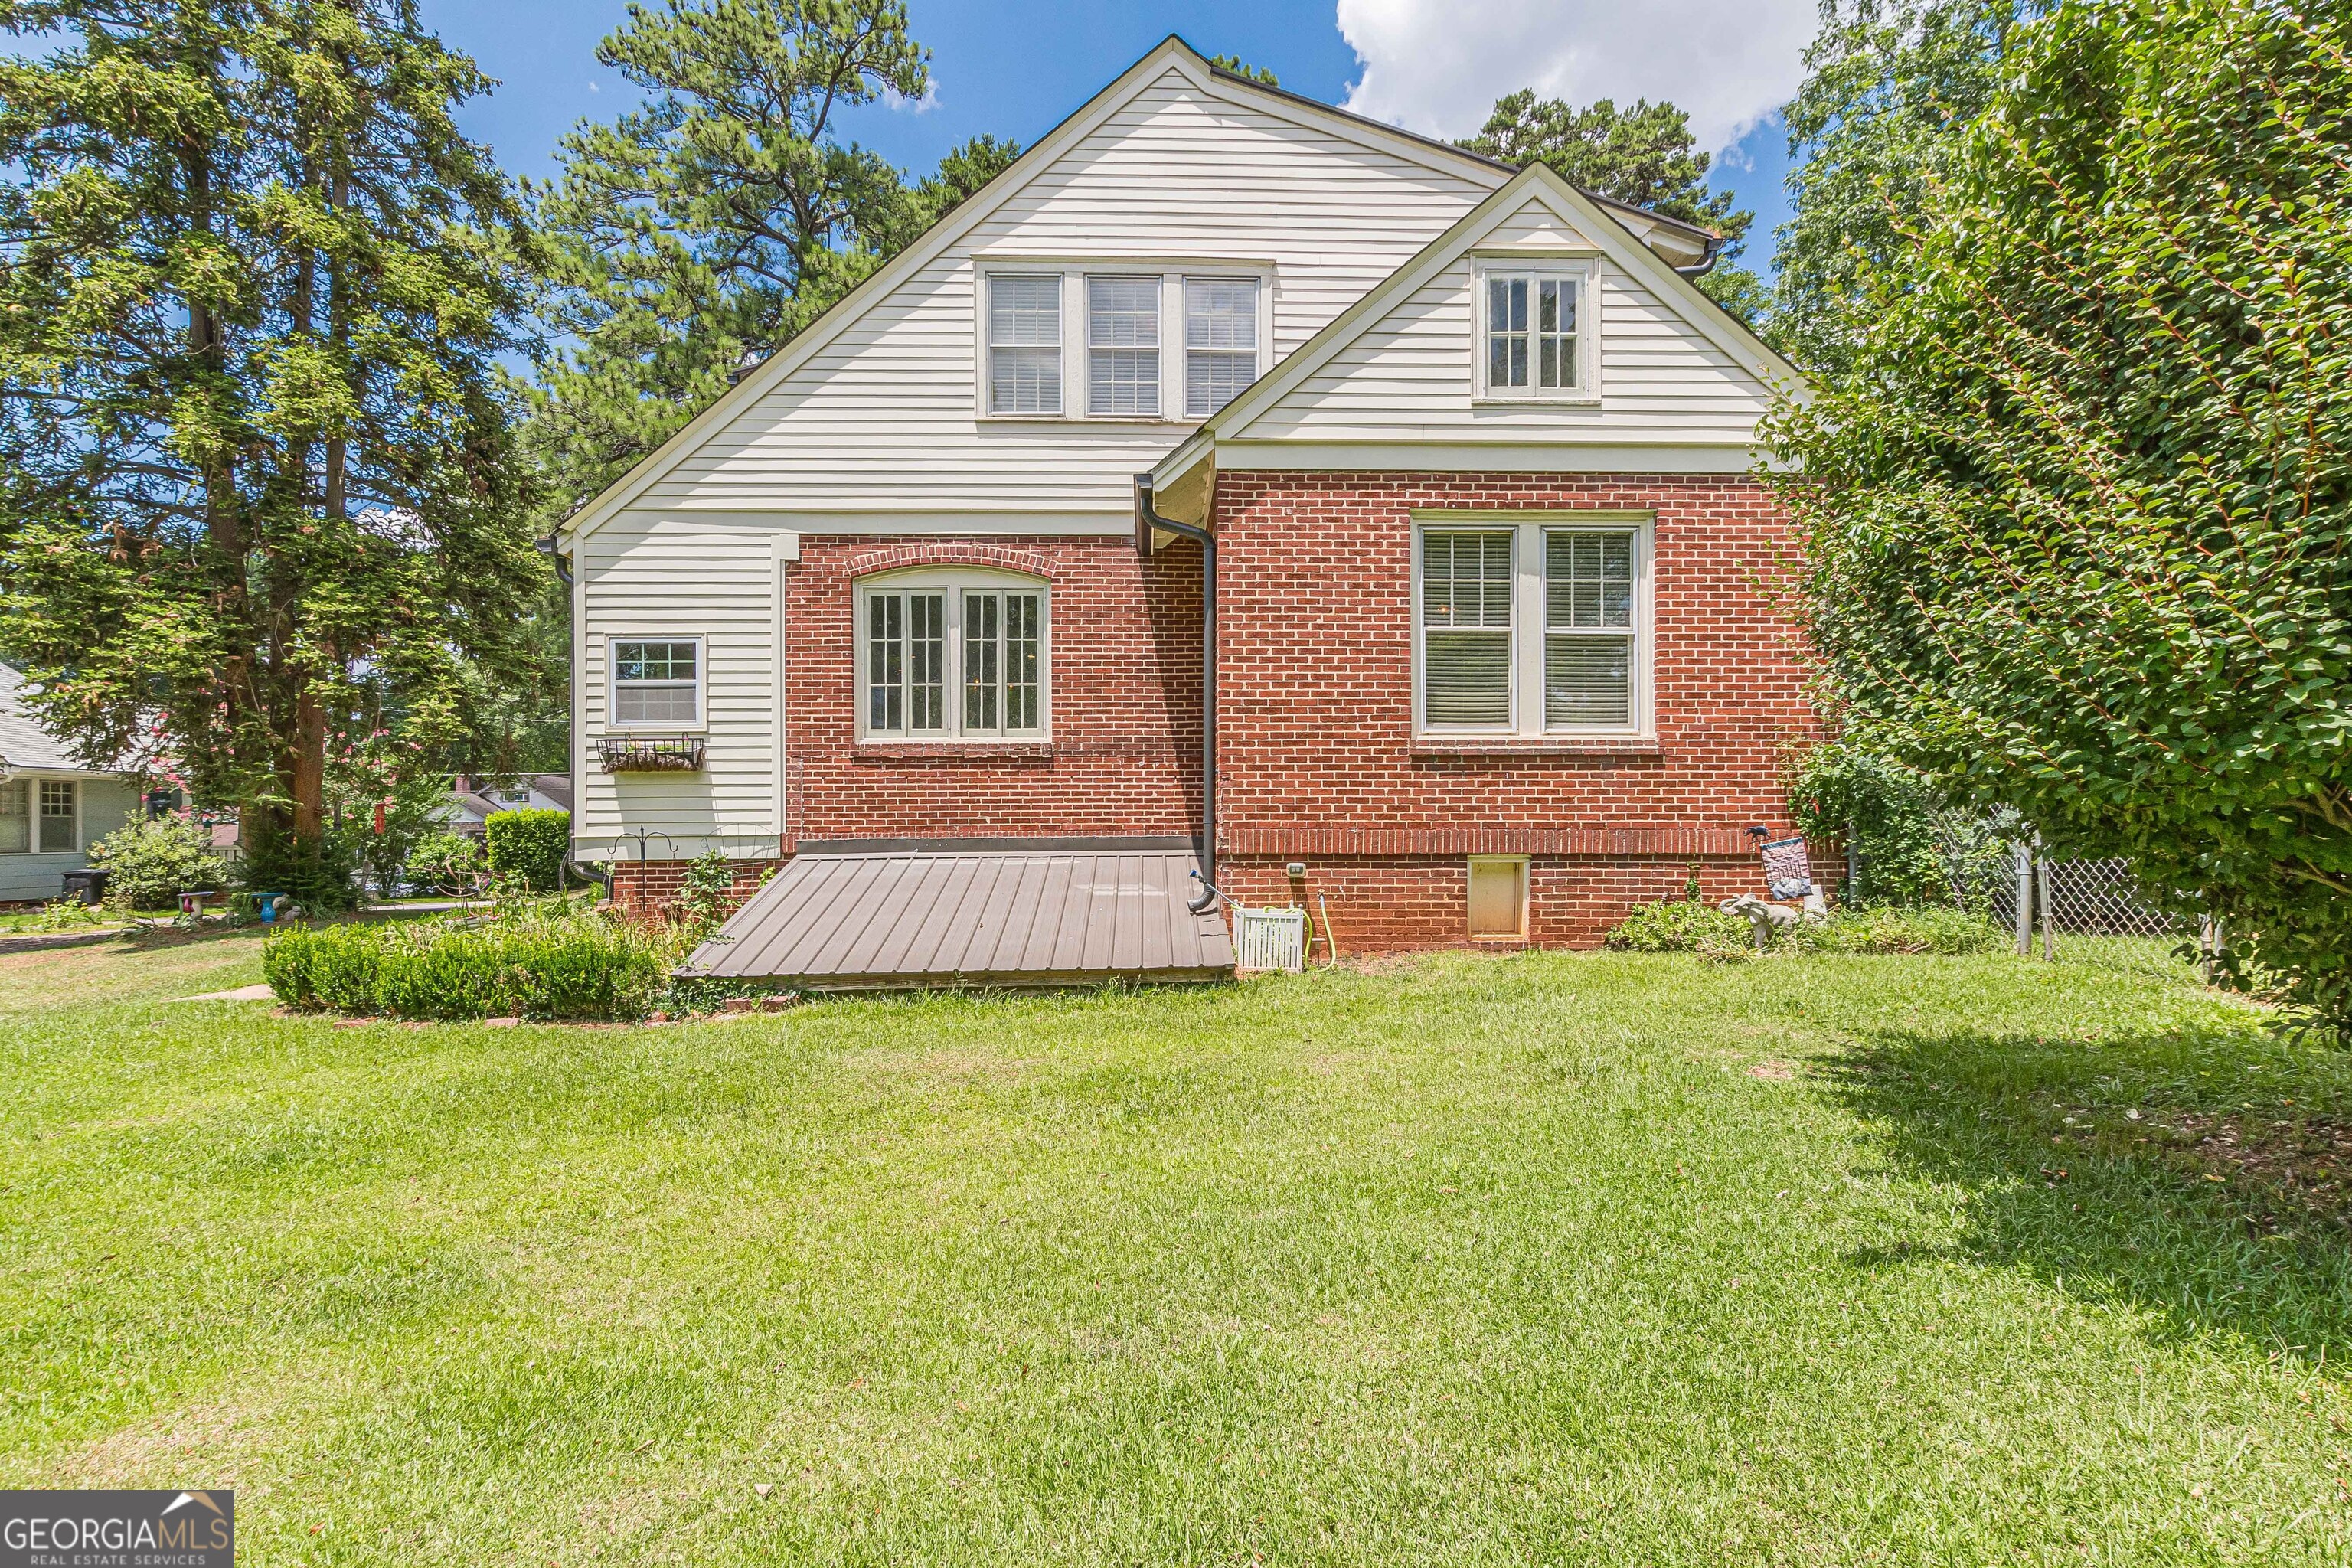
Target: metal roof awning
column 871, row 914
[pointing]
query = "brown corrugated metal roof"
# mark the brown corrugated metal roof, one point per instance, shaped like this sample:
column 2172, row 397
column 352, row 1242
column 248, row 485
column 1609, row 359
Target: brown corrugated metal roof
column 1005, row 912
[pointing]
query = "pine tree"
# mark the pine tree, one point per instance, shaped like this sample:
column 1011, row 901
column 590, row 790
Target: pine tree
column 709, row 226
column 260, row 506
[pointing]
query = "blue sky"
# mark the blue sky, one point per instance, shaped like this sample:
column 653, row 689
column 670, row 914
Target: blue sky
column 1014, row 67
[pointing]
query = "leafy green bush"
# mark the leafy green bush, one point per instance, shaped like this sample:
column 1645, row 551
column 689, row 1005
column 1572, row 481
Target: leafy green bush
column 527, row 963
column 706, row 894
column 152, row 862
column 1883, row 930
column 445, row 862
column 1885, row 812
column 1679, row 925
column 529, row 847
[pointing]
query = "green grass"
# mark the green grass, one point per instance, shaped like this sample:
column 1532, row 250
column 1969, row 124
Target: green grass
column 1554, row 1258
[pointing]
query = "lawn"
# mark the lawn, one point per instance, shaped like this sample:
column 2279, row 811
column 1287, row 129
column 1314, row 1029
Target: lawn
column 1475, row 1259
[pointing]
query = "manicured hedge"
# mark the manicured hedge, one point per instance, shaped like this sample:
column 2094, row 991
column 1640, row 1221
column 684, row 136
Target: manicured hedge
column 563, row 967
column 529, row 847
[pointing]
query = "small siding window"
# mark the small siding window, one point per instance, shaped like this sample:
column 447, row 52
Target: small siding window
column 60, row 821
column 657, row 684
column 1531, row 334
column 1024, row 344
column 1506, row 613
column 984, row 644
column 15, row 816
column 1465, row 617
column 1123, row 345
column 1498, row 897
column 1220, row 342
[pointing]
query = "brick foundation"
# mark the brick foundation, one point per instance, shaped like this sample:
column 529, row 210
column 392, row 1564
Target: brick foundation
column 643, row 888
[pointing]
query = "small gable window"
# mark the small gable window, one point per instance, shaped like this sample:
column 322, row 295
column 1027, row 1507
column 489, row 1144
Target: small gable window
column 1534, row 330
column 1024, row 344
column 1123, row 345
column 1220, row 342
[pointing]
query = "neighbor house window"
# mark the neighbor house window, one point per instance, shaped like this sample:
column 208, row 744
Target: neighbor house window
column 1498, row 896
column 1533, row 322
column 1532, row 629
column 1123, row 345
column 60, row 823
column 1220, row 342
column 950, row 656
column 15, row 816
column 1024, row 344
column 657, row 684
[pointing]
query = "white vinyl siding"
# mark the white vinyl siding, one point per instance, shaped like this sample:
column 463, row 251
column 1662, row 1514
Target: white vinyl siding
column 1123, row 345
column 952, row 657
column 1655, row 381
column 1221, row 342
column 891, row 417
column 1024, row 344
column 642, row 577
column 1531, row 627
column 15, row 816
column 657, row 683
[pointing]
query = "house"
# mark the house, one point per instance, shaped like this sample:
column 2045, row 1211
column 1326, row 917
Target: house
column 1234, row 486
column 52, row 808
column 473, row 802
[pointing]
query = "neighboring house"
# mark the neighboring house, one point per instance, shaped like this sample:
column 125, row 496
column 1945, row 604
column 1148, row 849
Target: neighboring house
column 917, row 609
column 51, row 807
column 472, row 803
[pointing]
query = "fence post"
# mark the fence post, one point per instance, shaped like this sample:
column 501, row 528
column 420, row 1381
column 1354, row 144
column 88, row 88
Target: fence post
column 2049, row 914
column 2024, row 899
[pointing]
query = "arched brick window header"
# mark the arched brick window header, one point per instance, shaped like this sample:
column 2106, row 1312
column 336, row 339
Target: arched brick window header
column 894, row 557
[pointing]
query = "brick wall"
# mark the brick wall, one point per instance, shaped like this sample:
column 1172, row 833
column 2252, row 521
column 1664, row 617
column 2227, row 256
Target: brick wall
column 1316, row 757
column 642, row 887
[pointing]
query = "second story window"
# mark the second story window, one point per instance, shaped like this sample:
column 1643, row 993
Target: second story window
column 1024, row 344
column 1123, row 345
column 1220, row 342
column 1531, row 334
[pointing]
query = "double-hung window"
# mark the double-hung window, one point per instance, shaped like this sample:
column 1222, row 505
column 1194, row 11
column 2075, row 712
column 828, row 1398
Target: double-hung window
column 1532, row 629
column 1533, row 333
column 1123, row 345
column 1024, row 342
column 953, row 657
column 60, row 821
column 15, row 816
column 1220, row 342
column 657, row 683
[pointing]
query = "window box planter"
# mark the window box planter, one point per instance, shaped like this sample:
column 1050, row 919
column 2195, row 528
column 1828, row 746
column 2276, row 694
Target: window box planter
column 645, row 755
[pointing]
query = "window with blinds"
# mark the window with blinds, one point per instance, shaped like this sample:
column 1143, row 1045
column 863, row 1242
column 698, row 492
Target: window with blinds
column 1220, row 342
column 1123, row 345
column 1024, row 344
column 1466, row 620
column 1587, row 628
column 657, row 683
column 1531, row 628
column 944, row 660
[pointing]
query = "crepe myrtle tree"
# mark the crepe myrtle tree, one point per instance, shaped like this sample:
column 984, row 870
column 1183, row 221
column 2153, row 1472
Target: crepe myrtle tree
column 259, row 497
column 2076, row 514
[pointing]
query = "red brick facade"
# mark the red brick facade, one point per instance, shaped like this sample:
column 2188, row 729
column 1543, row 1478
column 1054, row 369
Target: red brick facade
column 1317, row 759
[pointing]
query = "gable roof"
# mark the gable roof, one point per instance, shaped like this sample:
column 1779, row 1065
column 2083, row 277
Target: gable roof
column 1172, row 53
column 24, row 743
column 1537, row 183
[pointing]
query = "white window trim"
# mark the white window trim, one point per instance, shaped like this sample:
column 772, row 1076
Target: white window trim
column 1076, row 384
column 952, row 580
column 1527, row 529
column 1586, row 274
column 615, row 724
column 1519, row 863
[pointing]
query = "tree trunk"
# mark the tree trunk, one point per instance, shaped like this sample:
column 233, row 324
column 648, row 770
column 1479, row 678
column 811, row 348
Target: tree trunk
column 309, row 784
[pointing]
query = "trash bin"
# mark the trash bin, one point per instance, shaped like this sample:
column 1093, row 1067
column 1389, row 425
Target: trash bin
column 87, row 886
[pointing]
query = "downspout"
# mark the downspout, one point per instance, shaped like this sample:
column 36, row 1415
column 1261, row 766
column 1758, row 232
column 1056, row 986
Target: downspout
column 1706, row 264
column 1149, row 519
column 553, row 548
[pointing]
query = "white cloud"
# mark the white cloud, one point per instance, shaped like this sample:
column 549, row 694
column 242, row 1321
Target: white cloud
column 1437, row 65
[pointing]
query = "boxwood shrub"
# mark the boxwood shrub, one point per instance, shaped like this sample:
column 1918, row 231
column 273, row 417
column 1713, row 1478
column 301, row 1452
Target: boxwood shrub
column 529, row 847
column 537, row 965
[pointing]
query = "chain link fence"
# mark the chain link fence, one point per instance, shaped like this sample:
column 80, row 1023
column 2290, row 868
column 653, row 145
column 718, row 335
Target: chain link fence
column 2081, row 910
